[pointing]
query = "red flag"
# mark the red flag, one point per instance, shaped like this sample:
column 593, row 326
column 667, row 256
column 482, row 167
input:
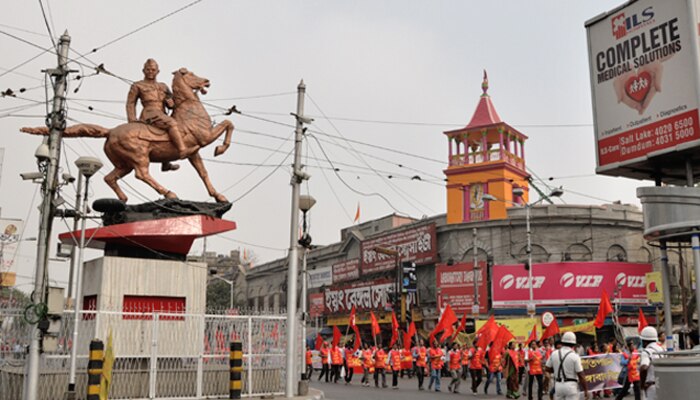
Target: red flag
column 336, row 336
column 407, row 341
column 358, row 339
column 487, row 333
column 604, row 309
column 319, row 341
column 351, row 320
column 503, row 336
column 394, row 329
column 412, row 329
column 375, row 325
column 642, row 321
column 462, row 325
column 487, row 326
column 551, row 330
column 533, row 334
column 449, row 318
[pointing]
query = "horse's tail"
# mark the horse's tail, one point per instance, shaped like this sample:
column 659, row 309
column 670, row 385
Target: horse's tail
column 80, row 130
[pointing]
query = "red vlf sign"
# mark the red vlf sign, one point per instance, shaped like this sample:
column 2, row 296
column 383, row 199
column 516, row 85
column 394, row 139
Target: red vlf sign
column 569, row 283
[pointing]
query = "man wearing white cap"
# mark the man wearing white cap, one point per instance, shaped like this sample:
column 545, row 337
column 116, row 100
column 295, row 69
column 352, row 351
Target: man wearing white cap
column 567, row 371
column 651, row 350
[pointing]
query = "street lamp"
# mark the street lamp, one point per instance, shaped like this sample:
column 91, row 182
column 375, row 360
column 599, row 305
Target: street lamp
column 305, row 203
column 88, row 167
column 518, row 191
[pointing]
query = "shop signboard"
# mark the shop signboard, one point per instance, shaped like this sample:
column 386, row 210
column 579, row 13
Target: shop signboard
column 364, row 295
column 417, row 244
column 322, row 276
column 348, row 270
column 569, row 283
column 644, row 80
column 455, row 286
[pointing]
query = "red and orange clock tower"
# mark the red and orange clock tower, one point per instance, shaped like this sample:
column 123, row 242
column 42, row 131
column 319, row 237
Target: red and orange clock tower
column 486, row 156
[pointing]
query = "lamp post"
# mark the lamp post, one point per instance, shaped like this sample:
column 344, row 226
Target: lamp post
column 88, row 166
column 305, row 203
column 556, row 192
column 212, row 273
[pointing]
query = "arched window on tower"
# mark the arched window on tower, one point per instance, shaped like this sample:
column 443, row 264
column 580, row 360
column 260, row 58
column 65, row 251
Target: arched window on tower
column 577, row 252
column 616, row 253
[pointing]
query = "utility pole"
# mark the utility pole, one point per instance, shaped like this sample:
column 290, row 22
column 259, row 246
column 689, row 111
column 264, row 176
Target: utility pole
column 298, row 176
column 475, row 307
column 50, row 168
column 73, row 259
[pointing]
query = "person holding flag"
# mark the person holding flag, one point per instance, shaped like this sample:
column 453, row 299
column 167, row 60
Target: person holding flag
column 309, row 363
column 395, row 363
column 465, row 361
column 367, row 364
column 534, row 361
column 495, row 368
column 420, row 354
column 349, row 362
column 476, row 359
column 325, row 362
column 380, row 357
column 455, row 366
column 336, row 361
column 436, row 362
column 631, row 360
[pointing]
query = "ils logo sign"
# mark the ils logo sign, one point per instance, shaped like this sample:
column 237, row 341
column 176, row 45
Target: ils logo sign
column 622, row 25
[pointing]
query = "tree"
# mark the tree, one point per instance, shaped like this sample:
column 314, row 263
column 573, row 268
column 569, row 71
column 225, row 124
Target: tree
column 219, row 295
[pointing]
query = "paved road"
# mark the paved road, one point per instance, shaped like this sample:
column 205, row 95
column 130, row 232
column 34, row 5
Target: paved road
column 408, row 390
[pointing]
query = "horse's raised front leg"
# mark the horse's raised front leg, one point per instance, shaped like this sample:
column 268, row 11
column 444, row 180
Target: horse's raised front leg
column 198, row 164
column 142, row 173
column 112, row 178
column 223, row 126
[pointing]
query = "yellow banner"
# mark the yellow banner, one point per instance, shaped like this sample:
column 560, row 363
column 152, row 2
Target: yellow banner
column 519, row 327
column 587, row 328
column 655, row 291
column 106, row 380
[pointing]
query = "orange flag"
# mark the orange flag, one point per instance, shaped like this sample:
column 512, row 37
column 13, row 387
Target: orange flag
column 394, row 329
column 336, row 336
column 449, row 318
column 357, row 213
column 642, row 321
column 533, row 335
column 375, row 325
column 551, row 330
column 604, row 309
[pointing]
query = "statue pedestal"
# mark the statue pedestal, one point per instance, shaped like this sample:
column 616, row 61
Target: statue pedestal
column 144, row 271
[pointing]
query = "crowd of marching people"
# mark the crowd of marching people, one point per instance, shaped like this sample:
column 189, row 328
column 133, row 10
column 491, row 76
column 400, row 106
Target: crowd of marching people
column 539, row 369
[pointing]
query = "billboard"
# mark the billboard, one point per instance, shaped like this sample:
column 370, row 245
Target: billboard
column 569, row 283
column 369, row 295
column 644, row 71
column 418, row 244
column 348, row 270
column 322, row 276
column 10, row 232
column 316, row 306
column 455, row 286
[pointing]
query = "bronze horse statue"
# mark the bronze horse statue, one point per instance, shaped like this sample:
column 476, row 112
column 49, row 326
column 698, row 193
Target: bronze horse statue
column 133, row 146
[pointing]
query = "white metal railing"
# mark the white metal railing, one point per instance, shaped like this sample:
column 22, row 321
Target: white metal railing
column 158, row 355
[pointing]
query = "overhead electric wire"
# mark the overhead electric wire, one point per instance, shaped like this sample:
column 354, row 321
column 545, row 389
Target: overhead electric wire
column 48, row 28
column 330, row 186
column 12, row 70
column 393, row 187
column 96, row 49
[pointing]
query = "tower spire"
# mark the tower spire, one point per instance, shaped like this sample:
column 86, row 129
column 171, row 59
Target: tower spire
column 485, row 85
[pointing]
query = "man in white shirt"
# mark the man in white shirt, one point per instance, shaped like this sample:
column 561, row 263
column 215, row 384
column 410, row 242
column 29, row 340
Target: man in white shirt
column 567, row 371
column 651, row 350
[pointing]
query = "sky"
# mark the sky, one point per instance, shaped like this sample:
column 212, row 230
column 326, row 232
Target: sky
column 384, row 80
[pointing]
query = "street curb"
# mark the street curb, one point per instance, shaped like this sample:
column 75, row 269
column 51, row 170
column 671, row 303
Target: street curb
column 315, row 394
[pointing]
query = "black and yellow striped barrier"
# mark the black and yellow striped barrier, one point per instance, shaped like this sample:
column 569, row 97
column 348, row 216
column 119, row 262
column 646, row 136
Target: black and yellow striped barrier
column 236, row 364
column 97, row 355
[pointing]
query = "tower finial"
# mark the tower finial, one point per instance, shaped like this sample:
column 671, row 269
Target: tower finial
column 485, row 84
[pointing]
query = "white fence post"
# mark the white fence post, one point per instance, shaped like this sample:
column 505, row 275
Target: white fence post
column 154, row 358
column 200, row 359
column 250, row 356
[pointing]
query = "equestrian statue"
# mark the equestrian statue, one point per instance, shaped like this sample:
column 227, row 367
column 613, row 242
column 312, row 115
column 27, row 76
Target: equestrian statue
column 157, row 137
